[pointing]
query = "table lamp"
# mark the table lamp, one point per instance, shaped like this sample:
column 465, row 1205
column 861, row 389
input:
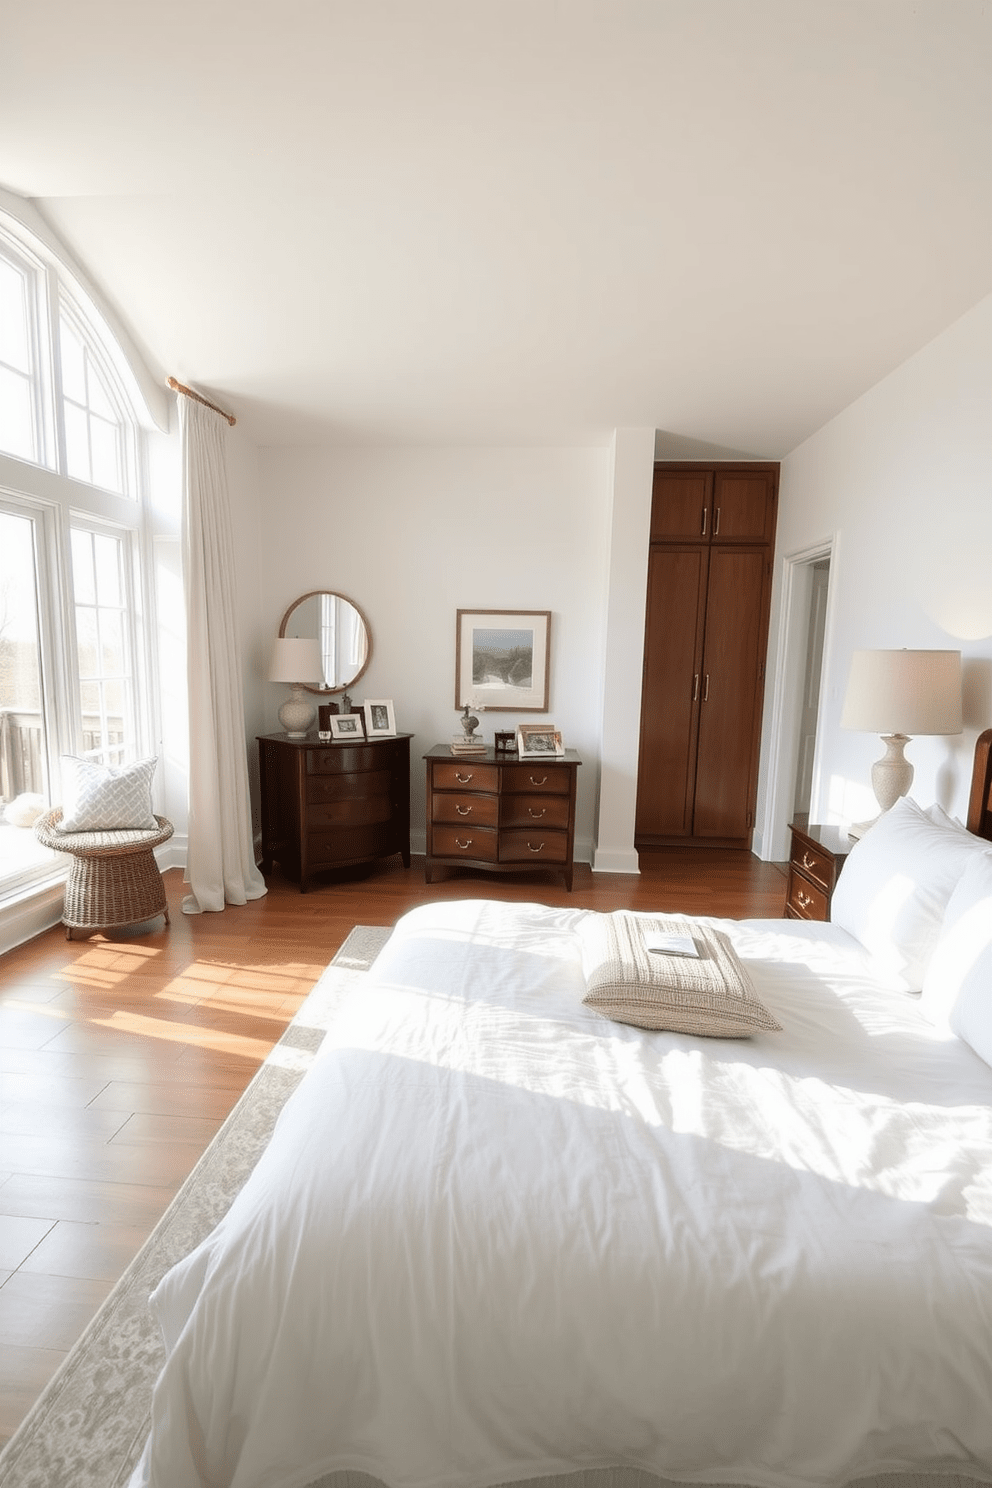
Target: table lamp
column 297, row 662
column 898, row 694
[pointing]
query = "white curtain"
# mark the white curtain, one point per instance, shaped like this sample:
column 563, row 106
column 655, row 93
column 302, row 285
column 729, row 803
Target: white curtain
column 220, row 860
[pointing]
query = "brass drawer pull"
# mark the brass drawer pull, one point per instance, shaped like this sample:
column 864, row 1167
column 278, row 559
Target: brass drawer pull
column 463, row 845
column 534, row 849
column 462, row 779
column 543, row 780
column 536, row 814
column 808, row 862
column 463, row 810
column 805, row 900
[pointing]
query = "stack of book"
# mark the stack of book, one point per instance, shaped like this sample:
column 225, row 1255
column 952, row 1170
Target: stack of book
column 465, row 744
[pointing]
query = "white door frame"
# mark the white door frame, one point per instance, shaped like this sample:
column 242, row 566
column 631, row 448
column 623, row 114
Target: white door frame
column 788, row 669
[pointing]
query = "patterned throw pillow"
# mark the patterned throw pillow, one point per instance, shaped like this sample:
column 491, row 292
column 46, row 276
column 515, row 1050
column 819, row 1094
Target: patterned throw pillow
column 708, row 994
column 106, row 798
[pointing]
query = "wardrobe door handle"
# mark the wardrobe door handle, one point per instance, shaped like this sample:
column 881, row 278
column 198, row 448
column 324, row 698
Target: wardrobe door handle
column 703, row 532
column 716, row 523
column 695, row 688
column 706, row 689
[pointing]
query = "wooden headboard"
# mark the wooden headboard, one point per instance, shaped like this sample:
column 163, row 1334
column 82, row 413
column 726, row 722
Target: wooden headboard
column 980, row 802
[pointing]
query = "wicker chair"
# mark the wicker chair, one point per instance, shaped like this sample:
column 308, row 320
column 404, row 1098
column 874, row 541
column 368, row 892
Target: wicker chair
column 114, row 880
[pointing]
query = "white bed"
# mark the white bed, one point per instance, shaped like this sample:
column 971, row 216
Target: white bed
column 498, row 1237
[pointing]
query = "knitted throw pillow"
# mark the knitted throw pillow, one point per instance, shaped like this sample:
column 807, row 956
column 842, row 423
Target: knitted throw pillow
column 708, row 994
column 106, row 798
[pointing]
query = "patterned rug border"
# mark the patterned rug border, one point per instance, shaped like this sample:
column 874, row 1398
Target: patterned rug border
column 87, row 1428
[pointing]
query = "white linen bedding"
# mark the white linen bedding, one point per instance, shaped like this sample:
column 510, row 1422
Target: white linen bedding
column 497, row 1236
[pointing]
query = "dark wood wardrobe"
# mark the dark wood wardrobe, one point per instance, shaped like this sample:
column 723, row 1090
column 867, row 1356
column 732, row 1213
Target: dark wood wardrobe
column 709, row 589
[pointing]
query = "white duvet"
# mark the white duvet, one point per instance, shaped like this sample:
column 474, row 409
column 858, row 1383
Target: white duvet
column 497, row 1236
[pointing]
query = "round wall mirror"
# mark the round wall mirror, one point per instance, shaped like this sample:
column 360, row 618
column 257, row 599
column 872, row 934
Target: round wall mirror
column 342, row 631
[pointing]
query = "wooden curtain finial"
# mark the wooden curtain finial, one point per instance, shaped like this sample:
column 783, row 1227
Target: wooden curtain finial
column 180, row 387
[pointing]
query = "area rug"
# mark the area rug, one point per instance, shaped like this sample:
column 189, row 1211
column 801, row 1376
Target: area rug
column 88, row 1427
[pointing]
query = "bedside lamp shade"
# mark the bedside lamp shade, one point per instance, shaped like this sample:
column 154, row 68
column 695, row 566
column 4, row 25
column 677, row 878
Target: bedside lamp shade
column 297, row 662
column 898, row 694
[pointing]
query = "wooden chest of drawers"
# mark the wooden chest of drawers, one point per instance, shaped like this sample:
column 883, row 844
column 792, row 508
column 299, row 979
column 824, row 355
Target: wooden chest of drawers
column 501, row 815
column 815, row 861
column 333, row 805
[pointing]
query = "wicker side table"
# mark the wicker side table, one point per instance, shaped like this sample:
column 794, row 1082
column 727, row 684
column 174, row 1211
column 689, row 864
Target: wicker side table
column 114, row 880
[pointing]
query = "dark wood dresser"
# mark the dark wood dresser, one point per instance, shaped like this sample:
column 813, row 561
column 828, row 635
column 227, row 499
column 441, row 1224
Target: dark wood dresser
column 815, row 861
column 332, row 805
column 500, row 813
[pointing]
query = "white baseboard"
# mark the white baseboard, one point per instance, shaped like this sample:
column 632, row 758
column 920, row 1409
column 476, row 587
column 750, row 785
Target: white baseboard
column 624, row 860
column 26, row 914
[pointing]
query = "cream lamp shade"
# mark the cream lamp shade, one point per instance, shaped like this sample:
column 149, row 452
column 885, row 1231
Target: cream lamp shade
column 298, row 662
column 898, row 694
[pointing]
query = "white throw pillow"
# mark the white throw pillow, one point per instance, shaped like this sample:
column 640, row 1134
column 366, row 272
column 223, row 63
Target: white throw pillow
column 894, row 888
column 939, row 816
column 106, row 798
column 957, row 992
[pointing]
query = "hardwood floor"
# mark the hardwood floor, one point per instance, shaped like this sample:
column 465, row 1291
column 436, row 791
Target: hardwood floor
column 119, row 1059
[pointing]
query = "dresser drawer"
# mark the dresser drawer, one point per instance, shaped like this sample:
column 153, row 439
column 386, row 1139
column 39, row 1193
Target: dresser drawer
column 462, row 775
column 348, row 844
column 465, row 842
column 525, row 779
column 354, row 812
column 480, row 811
column 529, row 811
column 336, row 787
column 345, row 759
column 804, row 899
column 532, row 845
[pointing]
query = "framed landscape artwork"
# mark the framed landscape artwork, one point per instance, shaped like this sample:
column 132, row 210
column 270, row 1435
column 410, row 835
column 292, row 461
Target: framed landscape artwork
column 502, row 659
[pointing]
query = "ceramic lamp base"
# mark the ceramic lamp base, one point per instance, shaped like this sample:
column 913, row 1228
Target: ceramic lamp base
column 297, row 714
column 891, row 777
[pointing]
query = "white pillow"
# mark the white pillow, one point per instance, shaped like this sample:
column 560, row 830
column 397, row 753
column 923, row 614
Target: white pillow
column 957, row 991
column 939, row 816
column 106, row 798
column 894, row 888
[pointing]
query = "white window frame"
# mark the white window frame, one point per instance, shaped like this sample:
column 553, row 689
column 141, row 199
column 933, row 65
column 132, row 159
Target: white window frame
column 42, row 489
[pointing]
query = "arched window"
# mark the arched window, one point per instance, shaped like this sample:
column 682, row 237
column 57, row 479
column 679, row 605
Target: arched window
column 74, row 656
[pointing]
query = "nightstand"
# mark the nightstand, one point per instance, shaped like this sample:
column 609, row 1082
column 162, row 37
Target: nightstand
column 815, row 862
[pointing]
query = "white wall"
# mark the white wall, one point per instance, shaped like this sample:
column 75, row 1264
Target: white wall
column 902, row 482
column 414, row 534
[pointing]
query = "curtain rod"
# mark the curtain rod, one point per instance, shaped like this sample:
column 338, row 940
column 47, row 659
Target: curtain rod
column 189, row 393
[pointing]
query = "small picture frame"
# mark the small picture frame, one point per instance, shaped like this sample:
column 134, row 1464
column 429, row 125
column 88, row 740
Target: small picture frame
column 347, row 726
column 380, row 720
column 539, row 741
column 505, row 741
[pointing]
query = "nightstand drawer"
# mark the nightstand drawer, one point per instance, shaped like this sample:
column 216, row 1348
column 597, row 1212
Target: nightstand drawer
column 479, row 811
column 805, row 900
column 465, row 842
column 818, row 866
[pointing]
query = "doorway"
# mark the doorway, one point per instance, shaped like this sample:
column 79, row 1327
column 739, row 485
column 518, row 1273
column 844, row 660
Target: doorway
column 809, row 702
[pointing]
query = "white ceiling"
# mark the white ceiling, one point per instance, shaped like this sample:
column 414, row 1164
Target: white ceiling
column 514, row 220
